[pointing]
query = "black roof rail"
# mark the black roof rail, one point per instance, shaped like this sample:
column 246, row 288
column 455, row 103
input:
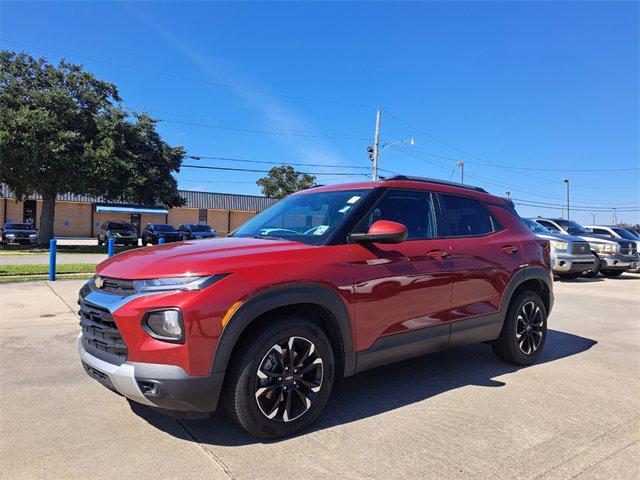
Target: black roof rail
column 436, row 181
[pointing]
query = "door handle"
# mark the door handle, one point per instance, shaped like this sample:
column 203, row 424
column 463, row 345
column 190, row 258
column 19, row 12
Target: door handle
column 437, row 254
column 509, row 249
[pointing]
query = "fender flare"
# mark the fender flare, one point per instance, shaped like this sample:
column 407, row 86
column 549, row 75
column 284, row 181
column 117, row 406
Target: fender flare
column 283, row 296
column 525, row 274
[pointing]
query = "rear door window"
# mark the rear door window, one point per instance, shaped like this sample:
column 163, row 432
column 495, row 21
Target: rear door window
column 549, row 226
column 411, row 208
column 465, row 217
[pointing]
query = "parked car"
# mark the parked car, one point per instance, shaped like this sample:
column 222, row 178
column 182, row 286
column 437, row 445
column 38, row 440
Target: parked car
column 194, row 231
column 121, row 232
column 14, row 233
column 348, row 278
column 614, row 256
column 570, row 256
column 621, row 233
column 153, row 232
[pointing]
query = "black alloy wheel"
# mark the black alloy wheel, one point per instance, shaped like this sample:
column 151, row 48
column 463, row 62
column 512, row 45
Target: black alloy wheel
column 529, row 328
column 288, row 379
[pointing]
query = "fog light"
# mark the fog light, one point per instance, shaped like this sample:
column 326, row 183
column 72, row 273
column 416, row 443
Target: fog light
column 165, row 325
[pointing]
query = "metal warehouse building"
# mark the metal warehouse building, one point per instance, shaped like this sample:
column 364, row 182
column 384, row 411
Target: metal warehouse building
column 81, row 216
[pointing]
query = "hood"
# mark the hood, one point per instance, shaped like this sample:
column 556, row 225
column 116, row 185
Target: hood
column 19, row 230
column 195, row 257
column 559, row 236
column 593, row 238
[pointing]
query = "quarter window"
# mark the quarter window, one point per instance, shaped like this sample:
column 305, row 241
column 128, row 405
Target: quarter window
column 413, row 209
column 465, row 217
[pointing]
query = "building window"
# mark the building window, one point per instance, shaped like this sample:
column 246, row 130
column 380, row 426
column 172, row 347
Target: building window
column 202, row 215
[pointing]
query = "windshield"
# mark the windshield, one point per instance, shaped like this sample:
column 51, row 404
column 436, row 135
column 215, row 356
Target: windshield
column 625, row 234
column 119, row 226
column 308, row 217
column 200, row 228
column 163, row 228
column 535, row 227
column 19, row 226
column 572, row 227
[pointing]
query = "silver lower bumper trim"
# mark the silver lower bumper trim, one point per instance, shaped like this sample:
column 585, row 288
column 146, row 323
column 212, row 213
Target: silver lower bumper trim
column 122, row 376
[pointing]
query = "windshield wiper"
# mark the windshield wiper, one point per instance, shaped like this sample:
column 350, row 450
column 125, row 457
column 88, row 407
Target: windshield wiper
column 268, row 237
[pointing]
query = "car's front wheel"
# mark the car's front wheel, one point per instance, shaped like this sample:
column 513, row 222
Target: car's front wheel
column 281, row 378
column 524, row 331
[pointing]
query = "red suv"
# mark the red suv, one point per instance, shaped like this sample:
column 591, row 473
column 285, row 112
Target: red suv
column 327, row 283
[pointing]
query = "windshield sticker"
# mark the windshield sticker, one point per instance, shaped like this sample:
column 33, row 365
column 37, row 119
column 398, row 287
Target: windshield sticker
column 344, row 209
column 320, row 229
column 354, row 199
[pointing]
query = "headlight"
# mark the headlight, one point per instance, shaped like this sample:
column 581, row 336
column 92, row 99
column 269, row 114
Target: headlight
column 176, row 283
column 165, row 325
column 10, row 235
column 33, row 235
column 607, row 247
column 558, row 245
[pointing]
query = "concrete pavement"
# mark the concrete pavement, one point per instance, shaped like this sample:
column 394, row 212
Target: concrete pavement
column 455, row 414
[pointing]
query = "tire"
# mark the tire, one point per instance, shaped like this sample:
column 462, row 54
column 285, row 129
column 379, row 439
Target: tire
column 568, row 276
column 258, row 353
column 611, row 273
column 508, row 346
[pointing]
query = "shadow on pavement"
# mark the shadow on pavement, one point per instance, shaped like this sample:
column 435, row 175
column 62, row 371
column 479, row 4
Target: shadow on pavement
column 382, row 389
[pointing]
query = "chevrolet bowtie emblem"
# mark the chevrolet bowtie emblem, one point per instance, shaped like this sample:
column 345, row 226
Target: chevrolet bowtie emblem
column 98, row 282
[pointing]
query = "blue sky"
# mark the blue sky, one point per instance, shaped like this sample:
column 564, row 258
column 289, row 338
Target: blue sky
column 496, row 85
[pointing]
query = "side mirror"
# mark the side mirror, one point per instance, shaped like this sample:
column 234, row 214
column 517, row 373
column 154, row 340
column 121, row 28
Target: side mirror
column 382, row 231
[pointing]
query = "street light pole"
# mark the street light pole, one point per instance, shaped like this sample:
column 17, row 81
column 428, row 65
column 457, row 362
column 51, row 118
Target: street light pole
column 566, row 180
column 508, row 194
column 461, row 165
column 593, row 217
column 376, row 145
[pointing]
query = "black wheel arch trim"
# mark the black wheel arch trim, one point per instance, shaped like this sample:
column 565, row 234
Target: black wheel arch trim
column 282, row 296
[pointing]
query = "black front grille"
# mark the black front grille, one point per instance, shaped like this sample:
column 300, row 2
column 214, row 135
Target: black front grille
column 118, row 286
column 627, row 248
column 580, row 248
column 101, row 333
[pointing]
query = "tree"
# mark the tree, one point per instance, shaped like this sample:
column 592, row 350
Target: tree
column 64, row 131
column 283, row 180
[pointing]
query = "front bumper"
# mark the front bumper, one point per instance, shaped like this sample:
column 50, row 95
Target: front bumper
column 618, row 262
column 22, row 241
column 167, row 387
column 568, row 263
column 125, row 240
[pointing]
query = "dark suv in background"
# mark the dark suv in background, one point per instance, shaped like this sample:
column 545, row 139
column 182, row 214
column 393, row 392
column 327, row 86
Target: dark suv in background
column 193, row 231
column 19, row 233
column 153, row 232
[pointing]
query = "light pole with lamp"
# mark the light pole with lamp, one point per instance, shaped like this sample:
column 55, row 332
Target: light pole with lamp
column 566, row 180
column 374, row 153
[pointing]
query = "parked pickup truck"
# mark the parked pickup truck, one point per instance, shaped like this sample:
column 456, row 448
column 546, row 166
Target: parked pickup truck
column 620, row 233
column 615, row 256
column 570, row 256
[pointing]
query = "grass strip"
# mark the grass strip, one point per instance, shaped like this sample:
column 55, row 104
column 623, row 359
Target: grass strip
column 30, row 269
column 33, row 278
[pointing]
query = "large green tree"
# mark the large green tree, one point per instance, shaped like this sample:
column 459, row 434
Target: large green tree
column 284, row 180
column 64, row 131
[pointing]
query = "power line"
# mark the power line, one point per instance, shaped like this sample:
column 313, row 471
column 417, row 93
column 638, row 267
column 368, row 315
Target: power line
column 292, row 133
column 246, row 160
column 491, row 182
column 233, row 169
column 191, row 79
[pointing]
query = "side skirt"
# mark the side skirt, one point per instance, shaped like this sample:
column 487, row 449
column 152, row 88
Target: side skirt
column 400, row 346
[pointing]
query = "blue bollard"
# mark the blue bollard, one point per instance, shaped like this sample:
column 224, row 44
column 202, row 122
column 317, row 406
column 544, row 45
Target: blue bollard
column 161, row 241
column 52, row 259
column 111, row 246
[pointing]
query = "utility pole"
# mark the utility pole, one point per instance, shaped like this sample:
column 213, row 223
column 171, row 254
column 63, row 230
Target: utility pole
column 614, row 217
column 566, row 180
column 376, row 145
column 593, row 217
column 508, row 194
column 461, row 165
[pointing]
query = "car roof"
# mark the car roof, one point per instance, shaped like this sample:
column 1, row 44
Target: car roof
column 417, row 183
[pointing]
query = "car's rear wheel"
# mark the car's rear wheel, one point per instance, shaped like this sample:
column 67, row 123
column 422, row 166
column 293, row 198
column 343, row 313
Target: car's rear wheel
column 611, row 273
column 524, row 331
column 281, row 378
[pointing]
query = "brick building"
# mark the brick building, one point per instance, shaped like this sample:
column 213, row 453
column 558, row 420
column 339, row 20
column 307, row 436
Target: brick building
column 81, row 216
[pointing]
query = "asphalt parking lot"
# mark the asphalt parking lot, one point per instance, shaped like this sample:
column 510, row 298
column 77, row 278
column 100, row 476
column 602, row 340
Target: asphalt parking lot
column 455, row 414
